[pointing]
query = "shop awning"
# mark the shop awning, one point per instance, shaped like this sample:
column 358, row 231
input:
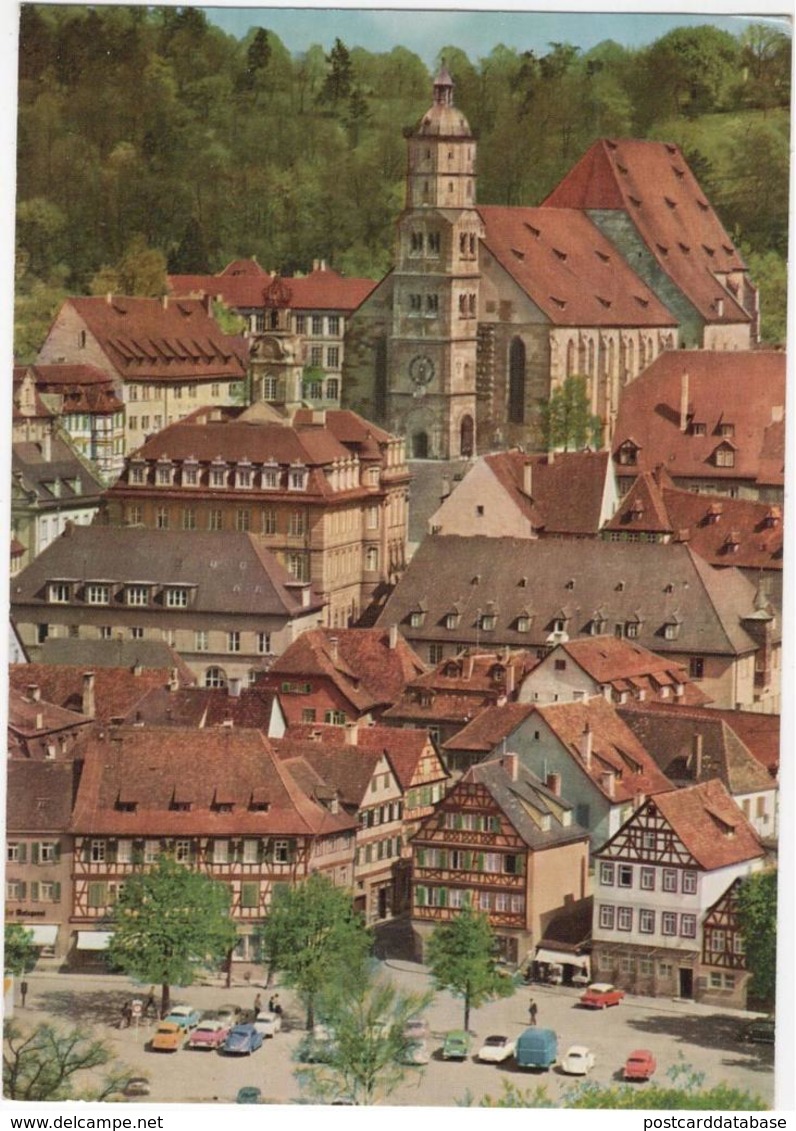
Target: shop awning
column 44, row 934
column 93, row 940
column 559, row 957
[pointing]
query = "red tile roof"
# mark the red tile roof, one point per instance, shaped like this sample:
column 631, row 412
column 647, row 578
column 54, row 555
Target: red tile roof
column 710, row 825
column 570, row 270
column 489, row 727
column 722, row 530
column 151, row 766
column 39, row 796
column 322, row 289
column 152, row 339
column 615, row 748
column 566, row 490
column 85, row 388
column 652, row 183
column 404, row 746
column 717, row 395
column 117, row 691
column 348, row 769
column 610, row 660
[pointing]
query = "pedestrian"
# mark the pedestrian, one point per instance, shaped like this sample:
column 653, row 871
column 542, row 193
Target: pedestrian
column 532, row 1011
column 274, row 1006
column 127, row 1015
column 23, row 991
column 258, row 1004
column 150, row 1005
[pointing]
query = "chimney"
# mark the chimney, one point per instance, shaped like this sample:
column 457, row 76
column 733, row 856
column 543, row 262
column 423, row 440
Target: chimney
column 554, row 784
column 315, row 264
column 165, row 302
column 233, row 687
column 393, row 637
column 137, row 668
column 34, row 692
column 47, row 446
column 551, row 458
column 334, row 804
column 527, row 478
column 174, row 680
column 352, row 734
column 586, row 746
column 510, row 675
column 608, row 780
column 684, row 387
column 510, row 763
column 720, row 307
column 333, row 644
column 696, row 756
column 89, row 706
column 109, row 298
column 39, row 720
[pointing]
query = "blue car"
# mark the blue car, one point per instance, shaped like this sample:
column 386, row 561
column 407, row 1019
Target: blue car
column 243, row 1040
column 184, row 1016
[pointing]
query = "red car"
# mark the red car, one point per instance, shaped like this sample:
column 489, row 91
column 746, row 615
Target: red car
column 599, row 995
column 640, row 1065
column 208, row 1035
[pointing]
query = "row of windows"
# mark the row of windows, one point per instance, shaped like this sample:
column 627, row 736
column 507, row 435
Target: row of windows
column 147, row 392
column 320, row 357
column 671, row 923
column 220, row 475
column 423, row 796
column 222, row 851
column 723, row 455
column 102, row 593
column 499, row 863
column 464, row 897
column 100, row 893
column 379, row 850
column 624, row 875
column 380, row 814
column 41, row 852
column 82, row 422
column 487, row 622
column 39, row 891
column 471, row 822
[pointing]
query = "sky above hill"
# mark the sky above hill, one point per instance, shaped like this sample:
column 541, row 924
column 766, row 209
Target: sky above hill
column 427, row 31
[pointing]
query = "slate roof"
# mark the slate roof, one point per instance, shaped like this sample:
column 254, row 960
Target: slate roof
column 232, row 573
column 652, row 183
column 526, row 802
column 246, row 289
column 474, row 671
column 710, row 825
column 158, row 340
column 718, row 395
column 722, row 530
column 432, row 481
column 615, row 748
column 359, row 661
column 670, row 739
column 347, row 769
column 33, row 723
column 570, row 270
column 552, row 578
column 39, row 795
column 163, row 706
column 54, row 480
column 154, row 655
column 152, row 766
column 566, row 490
column 117, row 691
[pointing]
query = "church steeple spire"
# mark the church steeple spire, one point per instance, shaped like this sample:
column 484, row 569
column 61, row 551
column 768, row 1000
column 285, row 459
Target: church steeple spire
column 443, row 87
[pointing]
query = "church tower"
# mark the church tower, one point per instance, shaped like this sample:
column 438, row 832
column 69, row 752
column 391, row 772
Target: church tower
column 430, row 394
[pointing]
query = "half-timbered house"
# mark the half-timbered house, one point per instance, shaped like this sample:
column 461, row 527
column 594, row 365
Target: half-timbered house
column 660, row 882
column 502, row 843
column 217, row 800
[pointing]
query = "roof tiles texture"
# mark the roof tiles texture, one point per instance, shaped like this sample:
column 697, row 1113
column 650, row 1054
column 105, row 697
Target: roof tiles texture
column 39, row 796
column 710, row 825
column 117, row 691
column 566, row 492
column 247, row 289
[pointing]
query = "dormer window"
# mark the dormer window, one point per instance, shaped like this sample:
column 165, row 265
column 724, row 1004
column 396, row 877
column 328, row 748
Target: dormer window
column 724, row 455
column 218, row 474
column 176, row 597
column 297, row 477
column 59, row 592
column 523, row 623
column 416, row 617
column 598, row 624
column 633, row 628
column 164, row 474
column 451, row 620
column 190, row 473
column 698, row 428
column 138, row 473
column 270, row 478
column 98, row 593
column 726, row 430
column 732, row 542
column 243, row 475
column 773, row 517
column 487, row 621
column 628, row 454
column 671, row 627
column 137, row 595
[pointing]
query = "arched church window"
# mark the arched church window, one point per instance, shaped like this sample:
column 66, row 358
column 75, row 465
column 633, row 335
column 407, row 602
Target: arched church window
column 517, row 381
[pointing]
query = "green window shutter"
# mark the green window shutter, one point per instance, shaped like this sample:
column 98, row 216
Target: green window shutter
column 56, row 893
column 110, row 851
column 23, row 853
column 23, row 890
column 34, row 852
column 34, row 891
column 443, row 897
column 481, row 861
column 56, row 851
column 421, row 858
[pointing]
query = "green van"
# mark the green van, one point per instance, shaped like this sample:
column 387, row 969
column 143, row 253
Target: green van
column 536, row 1048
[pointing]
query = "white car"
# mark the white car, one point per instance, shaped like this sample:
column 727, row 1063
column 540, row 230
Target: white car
column 496, row 1049
column 578, row 1061
column 268, row 1023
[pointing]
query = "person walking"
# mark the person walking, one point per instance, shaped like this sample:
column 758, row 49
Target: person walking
column 23, row 991
column 258, row 1005
column 532, row 1011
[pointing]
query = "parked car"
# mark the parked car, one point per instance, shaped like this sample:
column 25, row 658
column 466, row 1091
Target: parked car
column 208, row 1035
column 268, row 1023
column 496, row 1049
column 184, row 1016
column 536, row 1048
column 248, row 1095
column 167, row 1037
column 456, row 1045
column 228, row 1013
column 600, row 995
column 136, row 1086
column 640, row 1065
column 416, row 1029
column 577, row 1061
column 242, row 1040
column 760, row 1031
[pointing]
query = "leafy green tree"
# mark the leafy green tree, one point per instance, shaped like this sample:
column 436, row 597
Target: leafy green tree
column 368, row 1054
column 44, row 1065
column 684, row 1091
column 757, row 915
column 19, row 953
column 769, row 270
column 567, row 421
column 339, row 82
column 190, row 256
column 315, row 939
column 461, row 958
column 168, row 924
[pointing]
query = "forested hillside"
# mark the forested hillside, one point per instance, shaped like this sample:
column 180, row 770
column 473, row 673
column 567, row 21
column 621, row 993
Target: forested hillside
column 148, row 138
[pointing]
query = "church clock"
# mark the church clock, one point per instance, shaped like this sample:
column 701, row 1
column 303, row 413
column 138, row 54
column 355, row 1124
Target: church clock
column 421, row 370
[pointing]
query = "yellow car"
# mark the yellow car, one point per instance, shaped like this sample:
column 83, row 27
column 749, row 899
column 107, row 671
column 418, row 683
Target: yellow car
column 168, row 1037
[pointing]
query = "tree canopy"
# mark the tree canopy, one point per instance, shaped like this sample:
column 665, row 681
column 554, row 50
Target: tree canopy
column 168, row 924
column 316, row 940
column 19, row 953
column 757, row 916
column 567, row 419
column 461, row 958
column 46, row 1064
